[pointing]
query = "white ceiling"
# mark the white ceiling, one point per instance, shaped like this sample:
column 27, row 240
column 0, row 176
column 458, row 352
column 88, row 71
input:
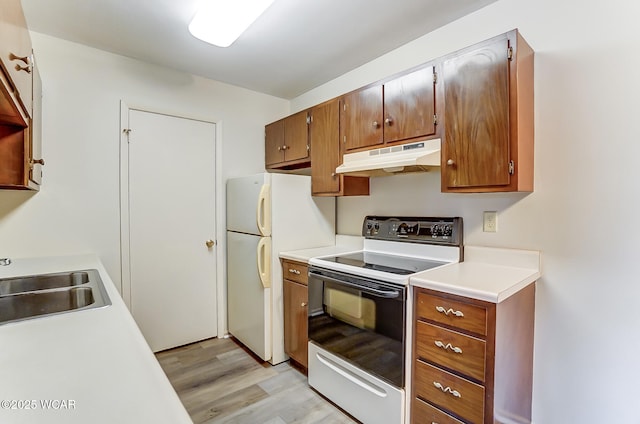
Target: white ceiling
column 294, row 46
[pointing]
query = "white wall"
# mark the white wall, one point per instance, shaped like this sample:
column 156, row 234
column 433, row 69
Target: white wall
column 582, row 213
column 77, row 209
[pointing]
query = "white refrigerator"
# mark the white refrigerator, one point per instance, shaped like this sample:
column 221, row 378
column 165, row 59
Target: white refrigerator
column 267, row 214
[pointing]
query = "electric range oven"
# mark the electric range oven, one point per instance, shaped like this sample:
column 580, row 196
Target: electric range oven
column 358, row 307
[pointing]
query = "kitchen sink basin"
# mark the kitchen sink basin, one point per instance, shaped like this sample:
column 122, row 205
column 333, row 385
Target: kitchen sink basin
column 47, row 294
column 42, row 282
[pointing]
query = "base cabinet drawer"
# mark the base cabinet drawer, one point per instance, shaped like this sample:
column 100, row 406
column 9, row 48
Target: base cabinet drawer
column 423, row 413
column 461, row 397
column 295, row 271
column 450, row 349
column 444, row 310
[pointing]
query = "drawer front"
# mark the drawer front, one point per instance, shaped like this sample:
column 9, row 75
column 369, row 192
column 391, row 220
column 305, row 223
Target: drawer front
column 295, row 271
column 423, row 413
column 449, row 392
column 450, row 349
column 451, row 312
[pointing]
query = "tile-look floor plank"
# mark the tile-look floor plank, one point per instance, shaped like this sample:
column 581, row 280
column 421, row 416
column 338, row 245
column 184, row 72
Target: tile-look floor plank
column 219, row 382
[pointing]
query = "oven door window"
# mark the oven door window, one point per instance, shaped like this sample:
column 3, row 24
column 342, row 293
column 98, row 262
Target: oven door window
column 364, row 325
column 350, row 307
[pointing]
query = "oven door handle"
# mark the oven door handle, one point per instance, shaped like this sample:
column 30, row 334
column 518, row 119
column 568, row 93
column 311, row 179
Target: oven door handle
column 387, row 294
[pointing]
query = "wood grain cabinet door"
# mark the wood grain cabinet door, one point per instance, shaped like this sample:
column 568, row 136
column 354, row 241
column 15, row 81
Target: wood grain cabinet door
column 15, row 51
column 476, row 90
column 362, row 119
column 295, row 321
column 409, row 106
column 324, row 135
column 296, row 136
column 273, row 142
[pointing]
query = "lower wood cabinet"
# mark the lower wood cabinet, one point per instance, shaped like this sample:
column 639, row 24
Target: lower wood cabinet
column 295, row 310
column 472, row 360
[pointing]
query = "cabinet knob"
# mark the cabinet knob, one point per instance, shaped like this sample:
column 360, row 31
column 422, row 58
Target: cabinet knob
column 333, row 174
column 303, row 304
column 279, row 148
column 284, row 147
column 388, row 121
column 375, row 124
column 450, row 162
column 27, row 68
column 24, row 59
column 209, row 243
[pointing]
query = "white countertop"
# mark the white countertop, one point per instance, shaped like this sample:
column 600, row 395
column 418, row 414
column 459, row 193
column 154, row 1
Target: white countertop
column 344, row 244
column 96, row 360
column 489, row 274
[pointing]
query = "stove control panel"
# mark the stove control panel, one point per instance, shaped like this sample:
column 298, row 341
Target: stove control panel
column 429, row 230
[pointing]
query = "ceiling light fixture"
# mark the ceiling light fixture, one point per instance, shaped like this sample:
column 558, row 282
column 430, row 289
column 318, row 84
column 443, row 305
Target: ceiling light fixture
column 220, row 22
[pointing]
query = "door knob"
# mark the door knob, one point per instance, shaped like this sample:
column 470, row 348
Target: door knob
column 209, row 243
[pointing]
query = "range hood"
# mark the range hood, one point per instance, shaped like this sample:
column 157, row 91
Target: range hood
column 412, row 157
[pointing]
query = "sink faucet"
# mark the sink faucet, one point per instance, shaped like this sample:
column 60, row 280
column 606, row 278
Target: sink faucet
column 5, row 261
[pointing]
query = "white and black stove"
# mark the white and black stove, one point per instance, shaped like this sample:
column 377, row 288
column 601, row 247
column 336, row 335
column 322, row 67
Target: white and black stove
column 357, row 312
column 397, row 247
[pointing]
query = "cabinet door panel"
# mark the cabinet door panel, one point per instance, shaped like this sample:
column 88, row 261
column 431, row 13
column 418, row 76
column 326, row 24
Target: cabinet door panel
column 325, row 148
column 295, row 321
column 15, row 41
column 273, row 142
column 362, row 118
column 476, row 144
column 296, row 137
column 409, row 106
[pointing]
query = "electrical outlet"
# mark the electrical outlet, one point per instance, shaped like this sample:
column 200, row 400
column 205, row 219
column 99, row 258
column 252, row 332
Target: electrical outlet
column 490, row 221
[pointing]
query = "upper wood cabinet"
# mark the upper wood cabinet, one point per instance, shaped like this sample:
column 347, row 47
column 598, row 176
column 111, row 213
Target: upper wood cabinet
column 15, row 51
column 488, row 117
column 324, row 136
column 287, row 142
column 400, row 110
column 20, row 103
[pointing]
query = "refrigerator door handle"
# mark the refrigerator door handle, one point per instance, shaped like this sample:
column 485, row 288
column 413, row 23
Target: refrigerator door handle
column 264, row 261
column 263, row 211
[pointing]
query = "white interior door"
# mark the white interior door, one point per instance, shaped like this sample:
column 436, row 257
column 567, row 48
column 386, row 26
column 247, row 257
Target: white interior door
column 171, row 171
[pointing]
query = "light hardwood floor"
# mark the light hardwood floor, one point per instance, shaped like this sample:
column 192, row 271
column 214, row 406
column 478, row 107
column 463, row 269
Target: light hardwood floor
column 219, row 382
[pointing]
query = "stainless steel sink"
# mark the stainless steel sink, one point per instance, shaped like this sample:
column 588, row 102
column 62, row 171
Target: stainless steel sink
column 42, row 282
column 47, row 294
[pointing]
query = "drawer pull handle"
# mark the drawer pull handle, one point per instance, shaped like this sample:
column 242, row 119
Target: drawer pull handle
column 448, row 346
column 294, row 271
column 449, row 311
column 447, row 389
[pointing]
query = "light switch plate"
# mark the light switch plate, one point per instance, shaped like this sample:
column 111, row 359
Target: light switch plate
column 490, row 222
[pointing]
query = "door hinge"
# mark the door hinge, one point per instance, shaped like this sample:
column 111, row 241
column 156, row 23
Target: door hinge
column 309, row 119
column 308, row 148
column 435, row 77
column 512, row 167
column 127, row 132
column 435, row 119
column 344, row 139
column 510, row 53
